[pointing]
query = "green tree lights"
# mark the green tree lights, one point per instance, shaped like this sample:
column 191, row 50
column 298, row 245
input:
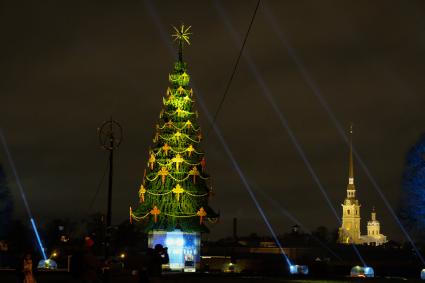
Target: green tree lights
column 175, row 188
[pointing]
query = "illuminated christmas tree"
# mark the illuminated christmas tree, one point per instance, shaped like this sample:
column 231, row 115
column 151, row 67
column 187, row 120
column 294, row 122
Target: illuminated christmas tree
column 175, row 189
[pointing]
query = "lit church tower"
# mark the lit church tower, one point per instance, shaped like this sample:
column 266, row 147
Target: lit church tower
column 373, row 226
column 374, row 236
column 349, row 232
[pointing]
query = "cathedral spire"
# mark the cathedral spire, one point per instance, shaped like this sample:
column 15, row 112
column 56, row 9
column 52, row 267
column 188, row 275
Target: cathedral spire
column 351, row 190
column 350, row 230
column 351, row 166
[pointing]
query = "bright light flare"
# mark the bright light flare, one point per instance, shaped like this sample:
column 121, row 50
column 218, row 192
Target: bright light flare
column 362, row 272
column 298, row 269
column 47, row 264
column 37, row 236
column 21, row 190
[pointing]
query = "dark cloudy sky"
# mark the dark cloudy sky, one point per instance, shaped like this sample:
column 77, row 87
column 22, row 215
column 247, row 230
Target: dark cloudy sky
column 66, row 66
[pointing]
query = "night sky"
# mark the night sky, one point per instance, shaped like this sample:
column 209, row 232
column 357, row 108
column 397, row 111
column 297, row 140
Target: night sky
column 66, row 66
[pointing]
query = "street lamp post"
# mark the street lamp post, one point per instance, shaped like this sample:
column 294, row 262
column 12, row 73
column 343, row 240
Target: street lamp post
column 110, row 137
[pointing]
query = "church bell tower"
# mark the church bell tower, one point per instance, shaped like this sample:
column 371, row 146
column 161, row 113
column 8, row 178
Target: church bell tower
column 349, row 232
column 373, row 225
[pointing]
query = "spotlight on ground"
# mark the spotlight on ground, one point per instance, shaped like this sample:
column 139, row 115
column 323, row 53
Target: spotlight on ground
column 231, row 268
column 362, row 272
column 423, row 274
column 49, row 264
column 296, row 269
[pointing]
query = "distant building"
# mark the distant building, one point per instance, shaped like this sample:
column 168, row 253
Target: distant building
column 350, row 230
column 374, row 236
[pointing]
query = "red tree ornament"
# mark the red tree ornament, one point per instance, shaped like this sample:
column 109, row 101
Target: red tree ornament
column 155, row 212
column 166, row 148
column 203, row 164
column 142, row 192
column 151, row 160
column 194, row 172
column 190, row 149
column 163, row 173
column 201, row 213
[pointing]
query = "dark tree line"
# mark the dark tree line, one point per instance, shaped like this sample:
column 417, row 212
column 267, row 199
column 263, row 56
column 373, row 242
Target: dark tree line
column 6, row 205
column 412, row 208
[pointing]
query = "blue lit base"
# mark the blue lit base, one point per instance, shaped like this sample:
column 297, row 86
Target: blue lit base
column 47, row 264
column 362, row 272
column 423, row 274
column 183, row 248
column 298, row 269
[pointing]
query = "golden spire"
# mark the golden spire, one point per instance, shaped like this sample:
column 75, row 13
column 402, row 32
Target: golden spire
column 351, row 189
column 351, row 166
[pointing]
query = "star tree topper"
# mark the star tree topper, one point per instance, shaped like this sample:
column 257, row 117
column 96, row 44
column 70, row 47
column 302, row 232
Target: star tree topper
column 181, row 35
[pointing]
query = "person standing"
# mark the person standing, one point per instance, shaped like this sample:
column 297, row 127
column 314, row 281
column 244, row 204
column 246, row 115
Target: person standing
column 27, row 269
column 159, row 256
column 90, row 263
